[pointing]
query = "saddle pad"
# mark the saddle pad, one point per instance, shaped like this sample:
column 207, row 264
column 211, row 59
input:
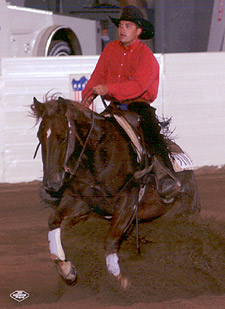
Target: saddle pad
column 130, row 132
column 181, row 162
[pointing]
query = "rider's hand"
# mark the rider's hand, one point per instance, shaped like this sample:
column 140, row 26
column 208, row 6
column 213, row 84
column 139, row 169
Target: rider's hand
column 89, row 100
column 100, row 90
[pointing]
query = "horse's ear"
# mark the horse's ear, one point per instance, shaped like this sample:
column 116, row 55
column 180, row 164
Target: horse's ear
column 62, row 105
column 37, row 108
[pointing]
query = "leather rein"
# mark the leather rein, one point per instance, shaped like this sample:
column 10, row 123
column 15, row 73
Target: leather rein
column 70, row 148
column 66, row 168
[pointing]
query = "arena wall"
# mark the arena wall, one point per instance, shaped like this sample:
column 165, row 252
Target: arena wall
column 192, row 92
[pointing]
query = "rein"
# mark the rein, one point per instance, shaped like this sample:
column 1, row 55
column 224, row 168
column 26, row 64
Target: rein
column 83, row 102
column 140, row 195
column 36, row 151
column 70, row 150
column 103, row 101
column 71, row 141
column 87, row 96
column 66, row 168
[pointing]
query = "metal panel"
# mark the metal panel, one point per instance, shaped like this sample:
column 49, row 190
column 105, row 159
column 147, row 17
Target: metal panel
column 21, row 80
column 191, row 91
column 194, row 96
column 182, row 25
column 217, row 29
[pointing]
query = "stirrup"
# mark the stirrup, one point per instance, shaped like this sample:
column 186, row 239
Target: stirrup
column 163, row 174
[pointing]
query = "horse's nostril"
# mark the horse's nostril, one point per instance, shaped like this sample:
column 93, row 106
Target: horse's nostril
column 52, row 187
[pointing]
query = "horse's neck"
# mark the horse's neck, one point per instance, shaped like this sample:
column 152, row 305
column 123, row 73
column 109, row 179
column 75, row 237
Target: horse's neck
column 86, row 125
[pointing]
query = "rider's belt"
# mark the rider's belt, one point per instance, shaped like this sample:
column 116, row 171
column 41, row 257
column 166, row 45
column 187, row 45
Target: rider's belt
column 115, row 102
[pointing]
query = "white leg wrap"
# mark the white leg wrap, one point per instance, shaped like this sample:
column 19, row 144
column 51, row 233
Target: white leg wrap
column 112, row 264
column 55, row 244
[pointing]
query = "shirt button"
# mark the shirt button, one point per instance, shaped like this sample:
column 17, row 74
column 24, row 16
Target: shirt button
column 124, row 54
column 118, row 75
column 121, row 64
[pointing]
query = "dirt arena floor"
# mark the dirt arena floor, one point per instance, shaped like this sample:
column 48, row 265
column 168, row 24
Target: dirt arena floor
column 181, row 265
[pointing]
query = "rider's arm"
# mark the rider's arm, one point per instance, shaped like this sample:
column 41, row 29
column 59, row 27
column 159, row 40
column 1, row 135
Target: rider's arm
column 97, row 77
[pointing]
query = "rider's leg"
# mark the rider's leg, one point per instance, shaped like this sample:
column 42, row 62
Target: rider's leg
column 167, row 184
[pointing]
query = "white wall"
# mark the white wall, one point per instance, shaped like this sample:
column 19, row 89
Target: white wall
column 194, row 95
column 192, row 90
column 21, row 80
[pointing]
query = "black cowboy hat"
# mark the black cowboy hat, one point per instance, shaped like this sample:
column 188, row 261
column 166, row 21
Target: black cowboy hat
column 133, row 14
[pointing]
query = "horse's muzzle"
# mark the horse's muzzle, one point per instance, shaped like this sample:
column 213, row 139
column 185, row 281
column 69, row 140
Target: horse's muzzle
column 54, row 185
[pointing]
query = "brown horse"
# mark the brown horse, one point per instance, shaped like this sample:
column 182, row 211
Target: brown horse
column 89, row 165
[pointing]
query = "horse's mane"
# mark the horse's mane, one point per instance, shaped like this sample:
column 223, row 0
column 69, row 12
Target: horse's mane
column 73, row 106
column 56, row 98
column 160, row 138
column 51, row 104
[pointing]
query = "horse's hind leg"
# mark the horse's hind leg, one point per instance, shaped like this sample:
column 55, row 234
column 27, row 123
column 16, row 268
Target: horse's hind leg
column 67, row 209
column 190, row 196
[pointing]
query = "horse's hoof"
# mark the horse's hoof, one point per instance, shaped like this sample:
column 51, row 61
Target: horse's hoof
column 71, row 278
column 67, row 271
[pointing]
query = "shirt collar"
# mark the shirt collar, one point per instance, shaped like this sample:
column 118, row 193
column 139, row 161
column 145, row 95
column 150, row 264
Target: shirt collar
column 132, row 46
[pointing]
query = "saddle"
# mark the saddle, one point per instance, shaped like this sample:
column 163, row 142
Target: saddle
column 129, row 122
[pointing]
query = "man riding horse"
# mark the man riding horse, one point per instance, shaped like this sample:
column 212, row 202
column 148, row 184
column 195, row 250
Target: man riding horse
column 127, row 74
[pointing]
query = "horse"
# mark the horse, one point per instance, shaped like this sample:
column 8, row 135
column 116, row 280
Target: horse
column 89, row 167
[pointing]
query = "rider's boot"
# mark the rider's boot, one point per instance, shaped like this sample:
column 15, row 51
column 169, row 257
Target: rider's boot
column 167, row 183
column 168, row 186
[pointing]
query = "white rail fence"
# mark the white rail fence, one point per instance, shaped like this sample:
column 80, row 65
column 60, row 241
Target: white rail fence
column 192, row 91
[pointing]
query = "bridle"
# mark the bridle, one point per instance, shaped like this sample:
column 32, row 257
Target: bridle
column 36, row 150
column 71, row 140
column 72, row 134
column 70, row 151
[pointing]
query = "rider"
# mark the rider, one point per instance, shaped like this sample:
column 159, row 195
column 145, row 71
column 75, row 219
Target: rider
column 127, row 73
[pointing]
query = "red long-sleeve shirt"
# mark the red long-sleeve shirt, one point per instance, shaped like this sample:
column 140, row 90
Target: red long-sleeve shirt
column 129, row 73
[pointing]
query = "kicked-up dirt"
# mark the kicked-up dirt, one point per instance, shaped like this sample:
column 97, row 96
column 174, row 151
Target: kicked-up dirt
column 181, row 265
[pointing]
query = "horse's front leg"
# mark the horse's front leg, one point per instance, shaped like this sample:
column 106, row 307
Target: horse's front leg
column 68, row 208
column 123, row 216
